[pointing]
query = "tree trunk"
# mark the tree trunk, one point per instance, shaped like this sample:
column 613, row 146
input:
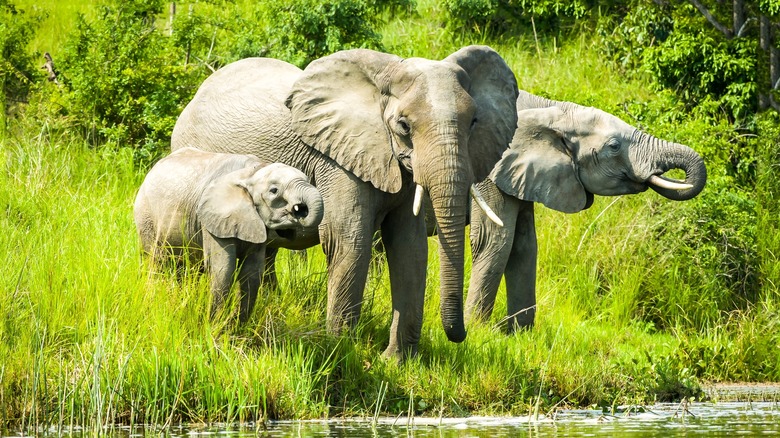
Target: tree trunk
column 768, row 76
column 171, row 16
column 774, row 62
column 774, row 74
column 738, row 12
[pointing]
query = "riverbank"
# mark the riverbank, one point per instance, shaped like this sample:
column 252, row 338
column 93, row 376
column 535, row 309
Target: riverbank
column 742, row 392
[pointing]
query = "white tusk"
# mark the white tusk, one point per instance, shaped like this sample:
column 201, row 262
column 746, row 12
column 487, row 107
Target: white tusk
column 483, row 205
column 418, row 194
column 668, row 184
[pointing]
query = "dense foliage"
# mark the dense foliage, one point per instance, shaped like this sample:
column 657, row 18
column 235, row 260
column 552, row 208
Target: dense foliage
column 121, row 86
column 17, row 73
column 717, row 65
column 512, row 16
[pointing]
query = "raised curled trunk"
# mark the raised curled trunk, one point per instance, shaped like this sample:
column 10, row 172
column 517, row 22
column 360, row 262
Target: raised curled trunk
column 659, row 156
column 307, row 205
column 447, row 180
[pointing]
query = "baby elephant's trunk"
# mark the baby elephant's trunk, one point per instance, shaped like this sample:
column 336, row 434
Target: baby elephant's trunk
column 300, row 211
column 306, row 205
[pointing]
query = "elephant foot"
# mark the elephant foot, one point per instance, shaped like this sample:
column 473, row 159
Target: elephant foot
column 523, row 321
column 399, row 355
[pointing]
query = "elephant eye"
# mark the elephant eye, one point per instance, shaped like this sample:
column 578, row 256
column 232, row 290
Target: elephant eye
column 403, row 126
column 474, row 123
column 613, row 145
column 274, row 190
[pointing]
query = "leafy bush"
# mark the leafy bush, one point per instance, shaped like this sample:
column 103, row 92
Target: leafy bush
column 17, row 73
column 508, row 15
column 122, row 86
column 126, row 77
column 294, row 31
column 704, row 69
column 624, row 35
column 302, row 31
column 707, row 67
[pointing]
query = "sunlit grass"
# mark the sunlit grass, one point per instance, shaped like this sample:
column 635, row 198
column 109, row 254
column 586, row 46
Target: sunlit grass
column 60, row 19
column 92, row 335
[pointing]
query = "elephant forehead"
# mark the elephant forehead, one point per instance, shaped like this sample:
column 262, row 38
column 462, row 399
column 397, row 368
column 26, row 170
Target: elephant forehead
column 284, row 169
column 434, row 82
column 600, row 121
column 279, row 174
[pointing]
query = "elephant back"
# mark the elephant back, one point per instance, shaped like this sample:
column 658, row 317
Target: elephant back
column 239, row 109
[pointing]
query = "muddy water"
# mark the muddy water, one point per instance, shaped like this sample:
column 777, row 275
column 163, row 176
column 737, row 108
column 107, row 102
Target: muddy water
column 661, row 420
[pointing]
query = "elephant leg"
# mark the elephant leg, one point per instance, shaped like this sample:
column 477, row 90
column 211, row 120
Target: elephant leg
column 490, row 250
column 346, row 234
column 406, row 248
column 220, row 260
column 270, row 280
column 252, row 268
column 520, row 274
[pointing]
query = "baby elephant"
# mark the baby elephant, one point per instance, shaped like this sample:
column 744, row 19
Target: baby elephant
column 223, row 209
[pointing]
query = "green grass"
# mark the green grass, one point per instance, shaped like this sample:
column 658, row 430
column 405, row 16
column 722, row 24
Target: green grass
column 60, row 19
column 90, row 335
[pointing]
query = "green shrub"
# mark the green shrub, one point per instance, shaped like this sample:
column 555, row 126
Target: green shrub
column 624, row 35
column 302, row 31
column 17, row 72
column 682, row 51
column 294, row 31
column 123, row 86
column 704, row 69
column 507, row 15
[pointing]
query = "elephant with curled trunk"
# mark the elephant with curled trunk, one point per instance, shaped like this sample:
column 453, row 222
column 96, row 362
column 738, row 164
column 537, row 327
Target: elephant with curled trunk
column 367, row 128
column 561, row 155
column 223, row 209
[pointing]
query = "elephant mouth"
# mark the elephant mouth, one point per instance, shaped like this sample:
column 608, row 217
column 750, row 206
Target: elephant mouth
column 285, row 233
column 664, row 182
column 588, row 200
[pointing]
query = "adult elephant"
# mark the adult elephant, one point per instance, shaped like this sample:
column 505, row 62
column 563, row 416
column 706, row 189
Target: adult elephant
column 561, row 155
column 367, row 128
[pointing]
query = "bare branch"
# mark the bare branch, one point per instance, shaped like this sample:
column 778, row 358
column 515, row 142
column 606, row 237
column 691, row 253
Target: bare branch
column 773, row 103
column 706, row 12
column 745, row 26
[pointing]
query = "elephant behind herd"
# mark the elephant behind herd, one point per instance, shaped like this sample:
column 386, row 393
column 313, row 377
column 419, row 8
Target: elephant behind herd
column 375, row 132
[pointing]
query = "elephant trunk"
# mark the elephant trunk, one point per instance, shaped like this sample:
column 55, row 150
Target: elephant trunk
column 662, row 156
column 448, row 186
column 306, row 204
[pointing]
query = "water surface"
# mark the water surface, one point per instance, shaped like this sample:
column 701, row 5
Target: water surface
column 662, row 420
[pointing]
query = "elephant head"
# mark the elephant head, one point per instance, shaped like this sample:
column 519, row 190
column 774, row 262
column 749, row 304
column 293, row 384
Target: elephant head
column 445, row 122
column 563, row 153
column 246, row 203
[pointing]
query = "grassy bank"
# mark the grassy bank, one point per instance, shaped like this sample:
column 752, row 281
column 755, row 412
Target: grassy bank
column 627, row 312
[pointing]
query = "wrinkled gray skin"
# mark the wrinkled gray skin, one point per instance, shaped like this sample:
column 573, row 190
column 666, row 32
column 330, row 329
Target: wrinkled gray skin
column 366, row 127
column 223, row 209
column 561, row 155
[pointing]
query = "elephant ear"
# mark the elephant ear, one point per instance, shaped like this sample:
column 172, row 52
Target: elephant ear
column 494, row 90
column 226, row 209
column 336, row 108
column 537, row 167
